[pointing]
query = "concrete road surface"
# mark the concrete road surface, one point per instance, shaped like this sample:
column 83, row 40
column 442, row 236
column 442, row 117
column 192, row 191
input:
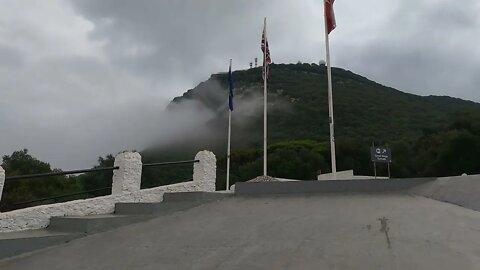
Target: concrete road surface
column 335, row 231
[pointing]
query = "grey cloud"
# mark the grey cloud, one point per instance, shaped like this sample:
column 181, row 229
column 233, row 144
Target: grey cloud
column 424, row 48
column 96, row 72
column 161, row 39
column 11, row 57
column 166, row 40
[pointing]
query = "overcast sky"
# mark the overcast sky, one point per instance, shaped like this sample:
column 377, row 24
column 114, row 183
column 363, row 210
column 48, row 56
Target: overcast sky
column 83, row 78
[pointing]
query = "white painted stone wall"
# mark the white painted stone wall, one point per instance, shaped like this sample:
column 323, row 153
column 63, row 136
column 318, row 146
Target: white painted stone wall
column 39, row 216
column 2, row 181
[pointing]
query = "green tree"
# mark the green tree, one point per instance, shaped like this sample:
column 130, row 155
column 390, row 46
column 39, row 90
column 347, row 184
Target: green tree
column 451, row 150
column 17, row 191
column 93, row 181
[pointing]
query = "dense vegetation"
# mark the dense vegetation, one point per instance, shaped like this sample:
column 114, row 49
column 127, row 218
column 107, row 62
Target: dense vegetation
column 20, row 191
column 429, row 136
column 449, row 150
column 298, row 108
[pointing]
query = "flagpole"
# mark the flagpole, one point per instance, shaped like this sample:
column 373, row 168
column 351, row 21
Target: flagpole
column 229, row 136
column 265, row 101
column 228, row 149
column 330, row 98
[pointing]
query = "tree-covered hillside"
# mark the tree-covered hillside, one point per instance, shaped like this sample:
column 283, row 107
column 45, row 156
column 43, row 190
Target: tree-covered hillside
column 365, row 112
column 298, row 109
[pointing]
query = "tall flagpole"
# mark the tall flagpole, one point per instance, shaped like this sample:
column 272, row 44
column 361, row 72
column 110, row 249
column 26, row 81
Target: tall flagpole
column 229, row 136
column 265, row 100
column 228, row 150
column 330, row 98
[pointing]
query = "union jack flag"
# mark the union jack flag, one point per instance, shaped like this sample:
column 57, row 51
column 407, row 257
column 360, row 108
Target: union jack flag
column 266, row 53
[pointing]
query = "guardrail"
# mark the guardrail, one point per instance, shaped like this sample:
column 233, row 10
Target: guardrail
column 29, row 176
column 170, row 163
column 38, row 175
column 55, row 198
column 28, row 203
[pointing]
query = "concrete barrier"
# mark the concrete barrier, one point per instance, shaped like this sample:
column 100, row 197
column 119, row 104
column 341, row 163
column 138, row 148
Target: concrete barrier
column 347, row 175
column 328, row 186
column 459, row 190
column 2, row 181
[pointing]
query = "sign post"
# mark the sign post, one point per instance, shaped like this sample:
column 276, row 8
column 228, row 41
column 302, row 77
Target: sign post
column 388, row 163
column 380, row 154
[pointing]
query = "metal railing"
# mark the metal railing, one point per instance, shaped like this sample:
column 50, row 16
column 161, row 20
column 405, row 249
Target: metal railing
column 37, row 175
column 102, row 169
column 156, row 164
column 55, row 198
column 170, row 163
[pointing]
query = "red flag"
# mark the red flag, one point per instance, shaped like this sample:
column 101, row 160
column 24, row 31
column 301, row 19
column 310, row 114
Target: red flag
column 266, row 53
column 330, row 16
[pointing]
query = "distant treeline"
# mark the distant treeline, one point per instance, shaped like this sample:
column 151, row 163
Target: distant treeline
column 445, row 151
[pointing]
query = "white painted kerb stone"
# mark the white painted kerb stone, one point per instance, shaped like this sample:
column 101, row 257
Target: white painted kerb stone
column 2, row 181
column 128, row 177
column 205, row 169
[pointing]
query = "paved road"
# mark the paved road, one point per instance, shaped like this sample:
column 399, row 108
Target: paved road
column 364, row 231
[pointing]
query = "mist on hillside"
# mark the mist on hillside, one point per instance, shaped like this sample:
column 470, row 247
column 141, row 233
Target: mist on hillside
column 200, row 119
